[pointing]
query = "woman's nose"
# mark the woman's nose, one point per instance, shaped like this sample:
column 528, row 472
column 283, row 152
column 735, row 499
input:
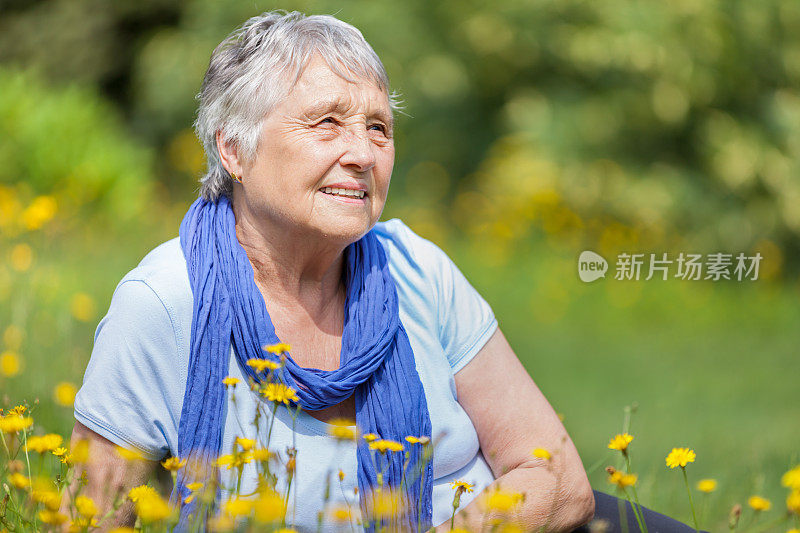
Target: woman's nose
column 359, row 150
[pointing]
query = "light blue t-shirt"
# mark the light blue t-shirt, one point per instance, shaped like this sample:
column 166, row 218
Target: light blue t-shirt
column 134, row 385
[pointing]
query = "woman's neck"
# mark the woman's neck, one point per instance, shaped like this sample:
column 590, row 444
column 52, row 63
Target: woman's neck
column 293, row 269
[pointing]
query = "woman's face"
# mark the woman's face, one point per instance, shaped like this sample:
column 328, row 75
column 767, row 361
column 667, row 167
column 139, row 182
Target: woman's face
column 327, row 134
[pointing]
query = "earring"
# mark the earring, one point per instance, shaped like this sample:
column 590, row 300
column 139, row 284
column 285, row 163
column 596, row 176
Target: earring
column 235, row 178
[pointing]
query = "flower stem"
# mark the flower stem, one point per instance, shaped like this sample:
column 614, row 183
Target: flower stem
column 691, row 503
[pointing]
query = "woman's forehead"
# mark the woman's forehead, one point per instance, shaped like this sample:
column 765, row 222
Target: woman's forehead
column 319, row 90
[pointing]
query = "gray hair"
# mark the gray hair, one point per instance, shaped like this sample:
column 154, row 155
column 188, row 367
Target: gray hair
column 256, row 66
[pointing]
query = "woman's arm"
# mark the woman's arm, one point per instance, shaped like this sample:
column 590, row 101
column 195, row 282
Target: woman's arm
column 512, row 417
column 107, row 476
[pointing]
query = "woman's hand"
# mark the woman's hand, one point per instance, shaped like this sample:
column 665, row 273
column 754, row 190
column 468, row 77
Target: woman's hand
column 512, row 417
column 108, row 477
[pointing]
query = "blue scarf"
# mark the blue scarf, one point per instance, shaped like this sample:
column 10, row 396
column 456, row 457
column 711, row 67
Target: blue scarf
column 376, row 362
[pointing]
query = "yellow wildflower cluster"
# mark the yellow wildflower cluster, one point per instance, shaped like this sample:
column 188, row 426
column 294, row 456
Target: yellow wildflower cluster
column 680, row 457
column 260, row 365
column 707, row 485
column 173, row 464
column 342, row 429
column 279, row 393
column 541, row 453
column 149, row 504
column 278, row 349
column 620, row 442
column 44, row 443
column 758, row 503
column 621, row 479
column 385, row 445
column 14, row 423
column 231, row 381
column 501, row 500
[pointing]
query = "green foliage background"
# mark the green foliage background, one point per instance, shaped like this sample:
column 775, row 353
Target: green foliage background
column 532, row 130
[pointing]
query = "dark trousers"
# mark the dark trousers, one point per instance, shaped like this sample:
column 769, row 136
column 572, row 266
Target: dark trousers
column 606, row 507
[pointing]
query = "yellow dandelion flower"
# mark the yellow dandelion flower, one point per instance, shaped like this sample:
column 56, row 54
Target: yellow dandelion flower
column 85, row 506
column 793, row 502
column 236, row 460
column 64, row 393
column 60, row 451
column 541, row 453
column 342, row 429
column 286, row 530
column 152, row 508
column 13, row 336
column 238, row 507
column 19, row 481
column 793, row 530
column 369, row 437
column 141, row 492
column 340, row 432
column 385, row 503
column 279, row 393
column 14, row 423
column 173, row 464
column 122, row 530
column 80, row 452
column 278, row 349
column 260, row 365
column 194, row 487
column 44, row 443
column 501, row 500
column 385, row 445
column 18, row 410
column 220, row 523
column 42, row 493
column 82, row 307
column 245, row 444
column 129, row 455
column 269, row 507
column 707, row 485
column 461, row 486
column 620, row 442
column 791, row 479
column 341, row 475
column 757, row 503
column 10, row 364
column 680, row 457
column 341, row 514
column 21, row 257
column 230, row 381
column 412, row 439
column 53, row 518
column 621, row 479
column 81, row 524
column 261, row 454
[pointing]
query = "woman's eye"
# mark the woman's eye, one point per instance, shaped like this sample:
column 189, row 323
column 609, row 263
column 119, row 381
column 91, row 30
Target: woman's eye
column 328, row 119
column 380, row 126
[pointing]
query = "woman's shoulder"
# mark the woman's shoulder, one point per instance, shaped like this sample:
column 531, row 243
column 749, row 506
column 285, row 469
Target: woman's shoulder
column 163, row 270
column 402, row 244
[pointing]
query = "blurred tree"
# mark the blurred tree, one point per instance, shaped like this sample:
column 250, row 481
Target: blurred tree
column 648, row 123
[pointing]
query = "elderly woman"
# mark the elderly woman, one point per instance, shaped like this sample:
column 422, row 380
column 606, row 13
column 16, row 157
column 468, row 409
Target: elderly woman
column 284, row 245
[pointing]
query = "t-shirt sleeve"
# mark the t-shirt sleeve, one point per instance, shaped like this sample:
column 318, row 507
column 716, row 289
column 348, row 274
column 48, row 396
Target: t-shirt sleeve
column 465, row 319
column 129, row 389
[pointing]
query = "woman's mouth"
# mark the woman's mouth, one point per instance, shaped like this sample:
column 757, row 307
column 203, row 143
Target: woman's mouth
column 349, row 196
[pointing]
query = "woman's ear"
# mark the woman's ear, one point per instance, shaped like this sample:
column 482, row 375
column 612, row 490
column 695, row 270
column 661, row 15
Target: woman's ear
column 228, row 154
